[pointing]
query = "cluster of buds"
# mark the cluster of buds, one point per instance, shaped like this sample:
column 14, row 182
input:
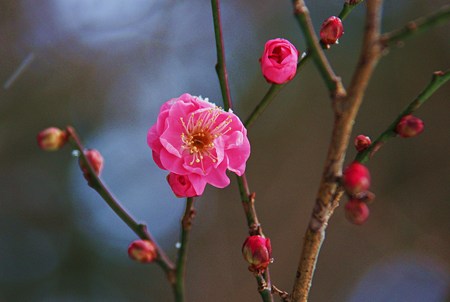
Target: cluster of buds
column 52, row 139
column 356, row 181
column 330, row 31
column 257, row 251
column 143, row 251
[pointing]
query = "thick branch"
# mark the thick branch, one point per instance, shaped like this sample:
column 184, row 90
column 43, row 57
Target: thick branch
column 329, row 192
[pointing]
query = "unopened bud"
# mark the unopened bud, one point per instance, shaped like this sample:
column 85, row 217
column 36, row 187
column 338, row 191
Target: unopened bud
column 51, row 139
column 409, row 126
column 257, row 251
column 143, row 251
column 331, row 30
column 356, row 178
column 96, row 160
column 356, row 211
column 181, row 185
column 362, row 142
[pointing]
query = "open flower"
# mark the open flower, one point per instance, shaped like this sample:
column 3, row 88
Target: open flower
column 279, row 61
column 195, row 138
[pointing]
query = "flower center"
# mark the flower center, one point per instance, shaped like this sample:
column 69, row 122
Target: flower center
column 200, row 132
column 278, row 54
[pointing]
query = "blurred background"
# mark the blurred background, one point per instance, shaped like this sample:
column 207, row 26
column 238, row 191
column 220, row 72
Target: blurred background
column 105, row 67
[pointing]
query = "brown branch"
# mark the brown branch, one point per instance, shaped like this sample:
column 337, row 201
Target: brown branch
column 329, row 192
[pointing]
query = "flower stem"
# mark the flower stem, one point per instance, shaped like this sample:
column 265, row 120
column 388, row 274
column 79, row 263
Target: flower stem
column 347, row 9
column 439, row 78
column 333, row 82
column 221, row 67
column 416, row 26
column 271, row 93
column 138, row 228
column 186, row 224
column 266, row 100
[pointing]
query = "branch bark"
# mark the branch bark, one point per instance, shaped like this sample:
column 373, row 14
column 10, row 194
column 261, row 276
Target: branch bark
column 329, row 194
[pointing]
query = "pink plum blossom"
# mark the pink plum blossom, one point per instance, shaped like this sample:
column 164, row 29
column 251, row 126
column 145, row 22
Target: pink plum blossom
column 197, row 139
column 279, row 61
column 181, row 185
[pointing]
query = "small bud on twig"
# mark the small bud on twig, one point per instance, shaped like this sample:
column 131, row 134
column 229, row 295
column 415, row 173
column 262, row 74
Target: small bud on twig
column 257, row 251
column 331, row 30
column 356, row 178
column 409, row 126
column 356, row 211
column 362, row 142
column 96, row 160
column 143, row 251
column 51, row 139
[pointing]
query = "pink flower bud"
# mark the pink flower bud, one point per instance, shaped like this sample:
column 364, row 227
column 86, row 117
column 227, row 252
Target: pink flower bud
column 181, row 185
column 409, row 126
column 356, row 211
column 258, row 252
column 362, row 142
column 143, row 251
column 96, row 160
column 279, row 61
column 356, row 178
column 51, row 139
column 331, row 30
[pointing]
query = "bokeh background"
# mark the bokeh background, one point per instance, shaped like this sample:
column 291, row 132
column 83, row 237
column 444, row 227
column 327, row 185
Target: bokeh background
column 105, row 67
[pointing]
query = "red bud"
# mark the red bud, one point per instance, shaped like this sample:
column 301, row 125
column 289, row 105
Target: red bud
column 258, row 252
column 96, row 160
column 143, row 251
column 356, row 211
column 356, row 178
column 362, row 142
column 331, row 30
column 409, row 126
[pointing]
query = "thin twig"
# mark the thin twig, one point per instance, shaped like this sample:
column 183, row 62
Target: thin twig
column 439, row 78
column 138, row 228
column 248, row 203
column 221, row 67
column 416, row 26
column 347, row 8
column 283, row 294
column 186, row 224
column 345, row 111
